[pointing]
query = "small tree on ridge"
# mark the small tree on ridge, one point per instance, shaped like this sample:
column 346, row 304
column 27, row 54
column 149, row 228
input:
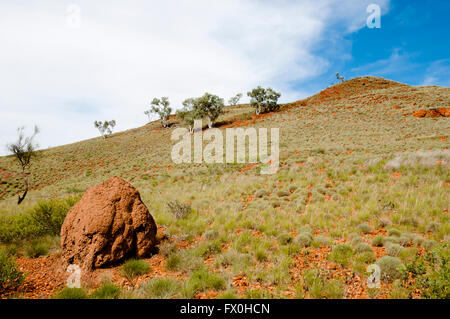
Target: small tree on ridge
column 105, row 128
column 209, row 106
column 235, row 99
column 162, row 108
column 24, row 150
column 188, row 114
column 264, row 100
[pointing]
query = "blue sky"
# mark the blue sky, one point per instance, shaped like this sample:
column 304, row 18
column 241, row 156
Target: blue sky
column 65, row 64
column 412, row 46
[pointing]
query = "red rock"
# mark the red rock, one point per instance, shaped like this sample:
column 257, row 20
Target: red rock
column 109, row 223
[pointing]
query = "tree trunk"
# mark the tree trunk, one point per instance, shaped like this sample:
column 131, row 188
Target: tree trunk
column 210, row 123
column 25, row 179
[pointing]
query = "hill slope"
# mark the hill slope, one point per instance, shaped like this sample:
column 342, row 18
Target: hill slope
column 358, row 174
column 364, row 113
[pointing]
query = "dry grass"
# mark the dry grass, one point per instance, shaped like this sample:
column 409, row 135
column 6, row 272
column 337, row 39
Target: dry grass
column 350, row 156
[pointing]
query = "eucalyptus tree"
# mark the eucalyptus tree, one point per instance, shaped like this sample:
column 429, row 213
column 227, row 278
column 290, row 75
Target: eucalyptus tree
column 161, row 108
column 105, row 128
column 235, row 99
column 264, row 100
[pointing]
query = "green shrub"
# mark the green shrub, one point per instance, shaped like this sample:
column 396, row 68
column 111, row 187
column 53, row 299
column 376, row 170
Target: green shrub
column 391, row 240
column 410, row 220
column 106, row 291
column 334, row 289
column 436, row 284
column 354, row 236
column 366, row 257
column 408, row 253
column 419, row 241
column 362, row 248
column 211, row 234
column 304, row 237
column 303, row 240
column 341, row 254
column 11, row 249
column 37, row 248
column 200, row 280
column 283, row 193
column 429, row 243
column 394, row 232
column 166, row 248
column 385, row 222
column 356, row 240
column 378, row 241
column 261, row 193
column 161, row 288
column 10, row 276
column 71, row 293
column 227, row 295
column 173, row 262
column 261, row 255
column 134, row 267
column 257, row 294
column 433, row 227
column 313, row 281
column 405, row 239
column 391, row 268
column 393, row 250
column 49, row 215
column 18, row 227
column 320, row 240
column 285, row 238
column 275, row 203
column 209, row 248
column 45, row 218
column 364, row 228
column 318, row 287
column 306, row 230
column 179, row 210
column 398, row 291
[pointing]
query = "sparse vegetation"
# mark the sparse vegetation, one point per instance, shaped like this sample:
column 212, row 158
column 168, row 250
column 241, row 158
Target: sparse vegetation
column 107, row 290
column 391, row 268
column 334, row 206
column 200, row 280
column 161, row 288
column 71, row 293
column 341, row 254
column 134, row 267
column 179, row 210
column 10, row 276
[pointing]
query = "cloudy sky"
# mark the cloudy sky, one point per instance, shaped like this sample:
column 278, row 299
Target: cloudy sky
column 65, row 64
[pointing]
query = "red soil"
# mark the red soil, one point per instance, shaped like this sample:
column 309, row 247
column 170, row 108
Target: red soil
column 441, row 112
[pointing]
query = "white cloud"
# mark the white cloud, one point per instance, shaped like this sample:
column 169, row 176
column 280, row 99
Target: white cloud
column 125, row 53
column 437, row 73
column 397, row 62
